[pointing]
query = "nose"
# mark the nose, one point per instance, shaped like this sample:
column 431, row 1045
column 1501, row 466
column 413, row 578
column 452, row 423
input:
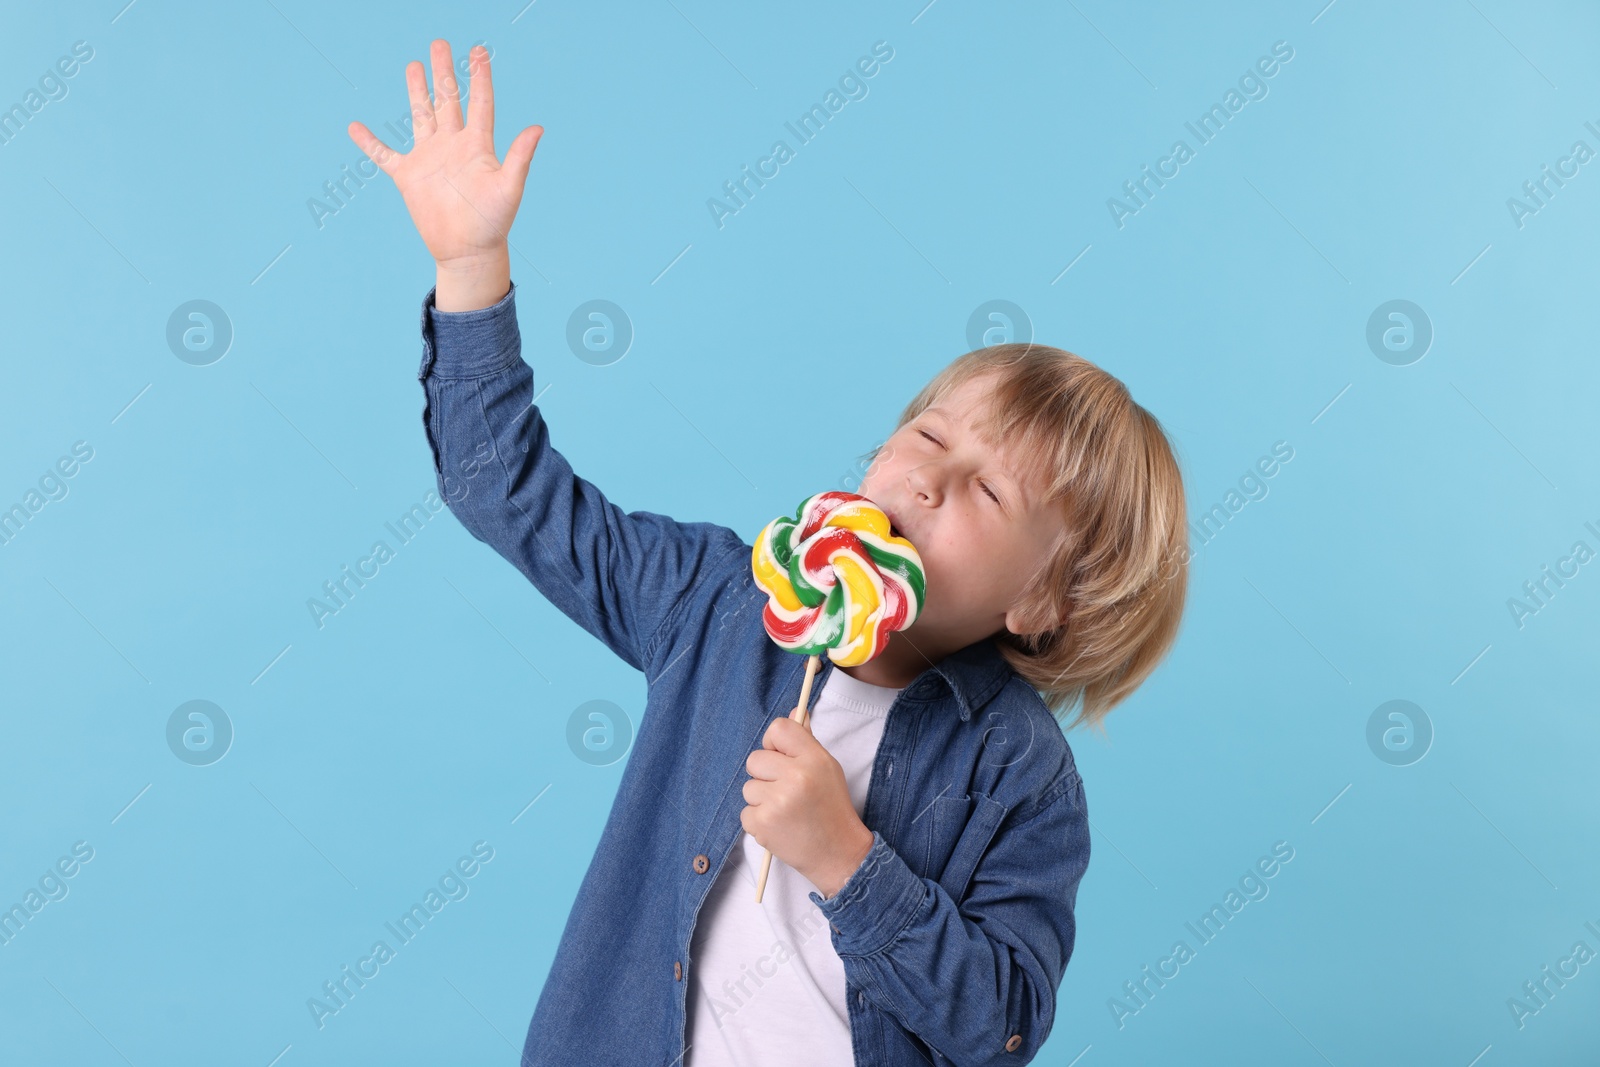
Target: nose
column 926, row 485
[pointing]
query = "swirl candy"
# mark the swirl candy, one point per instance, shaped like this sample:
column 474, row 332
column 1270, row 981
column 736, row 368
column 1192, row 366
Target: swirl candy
column 836, row 579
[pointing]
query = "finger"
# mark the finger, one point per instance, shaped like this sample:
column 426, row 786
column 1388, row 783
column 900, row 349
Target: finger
column 446, row 93
column 422, row 121
column 763, row 765
column 480, row 103
column 380, row 153
column 787, row 737
column 520, row 154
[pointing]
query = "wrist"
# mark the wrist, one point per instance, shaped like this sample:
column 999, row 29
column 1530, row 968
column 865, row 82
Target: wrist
column 851, row 856
column 471, row 283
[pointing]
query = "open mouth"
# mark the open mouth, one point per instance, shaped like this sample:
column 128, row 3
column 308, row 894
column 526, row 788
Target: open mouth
column 894, row 528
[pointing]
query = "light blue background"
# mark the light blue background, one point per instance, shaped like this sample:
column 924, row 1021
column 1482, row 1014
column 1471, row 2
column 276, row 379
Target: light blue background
column 427, row 714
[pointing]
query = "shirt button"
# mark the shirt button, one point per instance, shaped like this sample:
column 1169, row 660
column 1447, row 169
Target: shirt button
column 677, row 970
column 701, row 864
column 1013, row 1042
column 861, row 998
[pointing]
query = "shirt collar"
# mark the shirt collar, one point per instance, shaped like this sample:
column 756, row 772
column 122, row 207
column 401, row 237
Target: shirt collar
column 973, row 675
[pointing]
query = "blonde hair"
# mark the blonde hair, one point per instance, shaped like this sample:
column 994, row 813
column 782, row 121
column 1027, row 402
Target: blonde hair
column 1118, row 573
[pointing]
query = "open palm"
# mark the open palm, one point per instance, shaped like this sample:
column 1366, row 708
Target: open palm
column 461, row 198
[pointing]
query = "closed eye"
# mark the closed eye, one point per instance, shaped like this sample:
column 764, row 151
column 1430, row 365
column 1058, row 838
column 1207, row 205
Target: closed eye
column 986, row 488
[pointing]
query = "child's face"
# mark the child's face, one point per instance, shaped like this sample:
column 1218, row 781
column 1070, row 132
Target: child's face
column 974, row 514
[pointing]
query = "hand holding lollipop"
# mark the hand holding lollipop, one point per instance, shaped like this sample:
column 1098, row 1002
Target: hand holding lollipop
column 836, row 581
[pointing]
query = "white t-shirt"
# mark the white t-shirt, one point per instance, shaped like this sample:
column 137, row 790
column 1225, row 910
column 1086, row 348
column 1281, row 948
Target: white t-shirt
column 765, row 984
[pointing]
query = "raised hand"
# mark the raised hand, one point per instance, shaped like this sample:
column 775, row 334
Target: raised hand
column 461, row 198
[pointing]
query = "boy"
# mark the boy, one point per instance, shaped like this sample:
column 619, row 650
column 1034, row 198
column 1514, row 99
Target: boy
column 929, row 830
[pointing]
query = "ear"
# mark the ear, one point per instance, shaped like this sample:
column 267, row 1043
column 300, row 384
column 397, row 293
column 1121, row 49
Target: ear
column 1020, row 623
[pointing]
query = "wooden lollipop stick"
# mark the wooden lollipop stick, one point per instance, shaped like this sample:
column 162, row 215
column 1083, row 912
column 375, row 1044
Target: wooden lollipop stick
column 800, row 714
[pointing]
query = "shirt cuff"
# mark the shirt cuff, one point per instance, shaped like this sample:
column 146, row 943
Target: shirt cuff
column 875, row 903
column 469, row 344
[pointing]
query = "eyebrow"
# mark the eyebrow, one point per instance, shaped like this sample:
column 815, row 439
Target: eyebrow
column 1017, row 486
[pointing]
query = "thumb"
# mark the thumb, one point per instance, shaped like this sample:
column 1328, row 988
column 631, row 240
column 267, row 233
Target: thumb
column 520, row 155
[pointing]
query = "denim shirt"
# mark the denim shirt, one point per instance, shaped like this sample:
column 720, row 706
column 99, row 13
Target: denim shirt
column 956, row 928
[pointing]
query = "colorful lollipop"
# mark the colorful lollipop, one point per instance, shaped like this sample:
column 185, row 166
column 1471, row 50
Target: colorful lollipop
column 837, row 581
